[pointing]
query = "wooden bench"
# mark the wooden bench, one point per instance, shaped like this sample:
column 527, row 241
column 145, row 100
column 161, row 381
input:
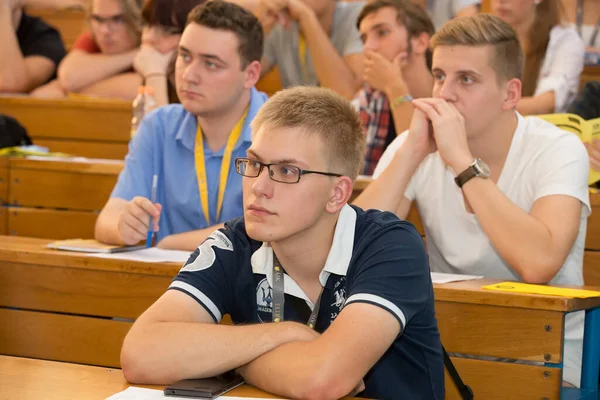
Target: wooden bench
column 92, row 128
column 590, row 73
column 56, row 199
column 60, row 306
column 69, row 22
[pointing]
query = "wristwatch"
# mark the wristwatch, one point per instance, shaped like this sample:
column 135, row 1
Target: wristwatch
column 477, row 168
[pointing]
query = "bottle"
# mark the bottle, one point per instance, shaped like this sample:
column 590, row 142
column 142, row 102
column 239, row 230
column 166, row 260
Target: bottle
column 149, row 101
column 138, row 110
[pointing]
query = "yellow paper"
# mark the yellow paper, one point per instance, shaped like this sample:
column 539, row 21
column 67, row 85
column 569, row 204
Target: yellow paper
column 586, row 130
column 518, row 287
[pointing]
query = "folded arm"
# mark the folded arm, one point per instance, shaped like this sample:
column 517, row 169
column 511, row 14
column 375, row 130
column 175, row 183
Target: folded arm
column 80, row 69
column 18, row 73
column 176, row 338
column 329, row 366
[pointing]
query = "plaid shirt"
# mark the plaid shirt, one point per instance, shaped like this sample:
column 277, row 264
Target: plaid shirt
column 374, row 110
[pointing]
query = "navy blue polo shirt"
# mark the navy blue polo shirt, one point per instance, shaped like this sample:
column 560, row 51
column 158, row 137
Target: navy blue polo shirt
column 375, row 258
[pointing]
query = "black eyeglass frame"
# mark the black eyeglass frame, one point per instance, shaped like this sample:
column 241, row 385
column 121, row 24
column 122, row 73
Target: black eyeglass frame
column 301, row 171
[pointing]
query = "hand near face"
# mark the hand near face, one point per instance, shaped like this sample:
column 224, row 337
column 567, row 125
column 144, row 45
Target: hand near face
column 449, row 131
column 380, row 73
column 150, row 61
column 420, row 135
column 282, row 12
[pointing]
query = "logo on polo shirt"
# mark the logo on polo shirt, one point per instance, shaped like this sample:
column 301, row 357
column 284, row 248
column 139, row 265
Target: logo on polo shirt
column 206, row 254
column 264, row 301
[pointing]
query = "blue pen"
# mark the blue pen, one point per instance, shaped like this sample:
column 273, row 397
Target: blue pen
column 153, row 200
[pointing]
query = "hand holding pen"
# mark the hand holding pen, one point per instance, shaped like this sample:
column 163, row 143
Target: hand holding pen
column 139, row 217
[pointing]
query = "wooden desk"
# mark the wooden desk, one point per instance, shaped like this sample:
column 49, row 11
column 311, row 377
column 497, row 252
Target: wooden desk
column 55, row 198
column 58, row 306
column 62, row 305
column 92, row 128
column 590, row 73
column 30, row 379
column 69, row 22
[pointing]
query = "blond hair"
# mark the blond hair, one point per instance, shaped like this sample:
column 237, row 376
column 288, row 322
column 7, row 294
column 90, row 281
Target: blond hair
column 482, row 30
column 323, row 113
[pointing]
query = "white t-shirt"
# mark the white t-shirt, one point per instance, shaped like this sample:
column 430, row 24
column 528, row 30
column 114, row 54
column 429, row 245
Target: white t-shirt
column 562, row 66
column 543, row 160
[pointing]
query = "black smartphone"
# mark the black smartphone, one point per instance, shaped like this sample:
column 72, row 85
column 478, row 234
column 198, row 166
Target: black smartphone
column 207, row 388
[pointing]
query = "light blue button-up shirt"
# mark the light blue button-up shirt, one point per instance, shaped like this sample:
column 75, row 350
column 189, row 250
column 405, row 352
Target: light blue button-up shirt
column 164, row 145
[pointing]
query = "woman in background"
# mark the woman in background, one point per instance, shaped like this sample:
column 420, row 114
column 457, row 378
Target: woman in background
column 164, row 21
column 553, row 51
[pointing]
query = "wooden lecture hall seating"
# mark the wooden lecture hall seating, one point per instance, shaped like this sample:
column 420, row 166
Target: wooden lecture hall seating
column 73, row 307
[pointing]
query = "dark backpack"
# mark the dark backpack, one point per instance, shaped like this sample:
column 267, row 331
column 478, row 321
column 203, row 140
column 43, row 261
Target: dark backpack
column 587, row 104
column 12, row 133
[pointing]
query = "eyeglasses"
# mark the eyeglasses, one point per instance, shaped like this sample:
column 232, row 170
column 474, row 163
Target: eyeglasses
column 113, row 22
column 283, row 173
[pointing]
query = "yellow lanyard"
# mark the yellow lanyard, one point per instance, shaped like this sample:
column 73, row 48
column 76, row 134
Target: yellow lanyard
column 225, row 165
column 302, row 55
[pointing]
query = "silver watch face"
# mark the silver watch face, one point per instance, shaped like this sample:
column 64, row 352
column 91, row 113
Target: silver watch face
column 481, row 168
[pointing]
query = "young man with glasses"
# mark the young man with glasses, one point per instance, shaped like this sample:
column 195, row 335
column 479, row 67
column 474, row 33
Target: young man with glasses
column 349, row 291
column 191, row 147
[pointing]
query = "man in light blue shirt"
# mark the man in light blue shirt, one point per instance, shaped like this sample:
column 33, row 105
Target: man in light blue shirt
column 217, row 65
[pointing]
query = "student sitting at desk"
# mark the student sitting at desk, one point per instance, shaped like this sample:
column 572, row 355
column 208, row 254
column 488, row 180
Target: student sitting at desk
column 554, row 54
column 301, row 253
column 191, row 146
column 101, row 61
column 30, row 49
column 312, row 42
column 396, row 37
column 499, row 195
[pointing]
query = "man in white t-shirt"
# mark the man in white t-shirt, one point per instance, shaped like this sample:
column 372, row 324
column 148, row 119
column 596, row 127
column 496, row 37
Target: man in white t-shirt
column 499, row 195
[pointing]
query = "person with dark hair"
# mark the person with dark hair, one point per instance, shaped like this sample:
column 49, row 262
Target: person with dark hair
column 396, row 37
column 554, row 53
column 164, row 21
column 190, row 147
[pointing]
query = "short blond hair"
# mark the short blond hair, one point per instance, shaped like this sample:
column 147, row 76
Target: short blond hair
column 323, row 113
column 481, row 30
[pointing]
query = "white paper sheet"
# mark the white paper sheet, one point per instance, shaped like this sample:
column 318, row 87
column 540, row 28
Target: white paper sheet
column 151, row 255
column 440, row 277
column 135, row 393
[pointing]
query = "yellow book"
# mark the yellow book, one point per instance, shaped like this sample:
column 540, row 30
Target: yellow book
column 586, row 130
column 90, row 246
column 518, row 287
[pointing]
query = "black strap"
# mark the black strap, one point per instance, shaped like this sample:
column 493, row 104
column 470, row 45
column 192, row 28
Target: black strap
column 465, row 391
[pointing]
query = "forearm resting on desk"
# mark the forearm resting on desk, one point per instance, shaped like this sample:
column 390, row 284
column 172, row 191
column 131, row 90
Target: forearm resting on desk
column 80, row 69
column 165, row 352
column 307, row 377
